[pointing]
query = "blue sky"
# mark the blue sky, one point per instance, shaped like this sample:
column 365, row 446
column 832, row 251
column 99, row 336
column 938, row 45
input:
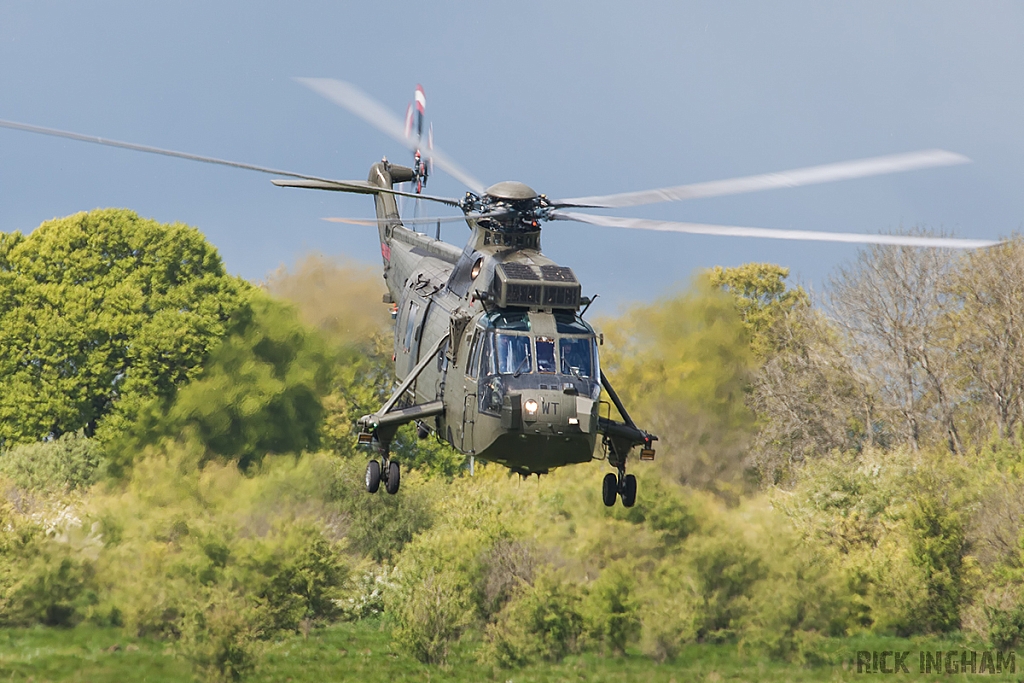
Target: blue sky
column 571, row 98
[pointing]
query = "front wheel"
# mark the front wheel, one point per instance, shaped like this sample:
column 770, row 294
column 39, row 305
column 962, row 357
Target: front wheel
column 629, row 491
column 372, row 476
column 609, row 489
column 394, row 478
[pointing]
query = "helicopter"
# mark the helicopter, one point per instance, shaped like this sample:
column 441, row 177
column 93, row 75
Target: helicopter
column 492, row 353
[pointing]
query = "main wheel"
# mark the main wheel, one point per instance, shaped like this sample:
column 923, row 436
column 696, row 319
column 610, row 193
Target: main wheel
column 629, row 491
column 373, row 476
column 394, row 478
column 609, row 489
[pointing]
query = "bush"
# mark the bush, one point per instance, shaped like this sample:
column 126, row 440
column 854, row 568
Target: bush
column 218, row 560
column 542, row 621
column 219, row 637
column 610, row 609
column 67, row 463
column 724, row 569
column 432, row 614
column 997, row 616
column 42, row 581
column 672, row 612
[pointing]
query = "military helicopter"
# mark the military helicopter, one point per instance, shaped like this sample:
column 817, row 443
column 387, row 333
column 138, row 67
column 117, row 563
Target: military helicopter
column 491, row 347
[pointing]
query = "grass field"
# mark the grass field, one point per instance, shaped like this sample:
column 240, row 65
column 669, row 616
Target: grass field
column 365, row 652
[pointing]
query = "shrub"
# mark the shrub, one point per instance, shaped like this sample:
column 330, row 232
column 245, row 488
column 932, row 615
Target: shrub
column 610, row 609
column 671, row 612
column 724, row 569
column 42, row 580
column 542, row 621
column 431, row 615
column 67, row 463
column 219, row 636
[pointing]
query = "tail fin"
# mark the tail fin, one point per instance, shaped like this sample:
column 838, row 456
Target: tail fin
column 385, row 174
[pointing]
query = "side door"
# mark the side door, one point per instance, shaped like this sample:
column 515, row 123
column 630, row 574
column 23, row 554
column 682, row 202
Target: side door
column 409, row 335
column 415, row 343
column 469, row 378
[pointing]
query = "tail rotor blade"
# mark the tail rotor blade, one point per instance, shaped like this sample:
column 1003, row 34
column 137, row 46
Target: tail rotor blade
column 377, row 115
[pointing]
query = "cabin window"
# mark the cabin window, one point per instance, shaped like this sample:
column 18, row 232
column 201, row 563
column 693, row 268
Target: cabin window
column 515, row 321
column 546, row 355
column 487, row 356
column 474, row 355
column 570, row 323
column 410, row 323
column 512, row 352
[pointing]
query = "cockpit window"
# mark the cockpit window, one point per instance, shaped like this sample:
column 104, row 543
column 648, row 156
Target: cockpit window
column 513, row 354
column 570, row 323
column 546, row 354
column 577, row 355
column 487, row 356
column 514, row 321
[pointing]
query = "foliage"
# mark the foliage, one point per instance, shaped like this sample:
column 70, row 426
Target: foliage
column 760, row 293
column 542, row 622
column 611, row 611
column 69, row 462
column 101, row 312
column 258, row 393
column 217, row 560
column 683, row 366
column 43, row 580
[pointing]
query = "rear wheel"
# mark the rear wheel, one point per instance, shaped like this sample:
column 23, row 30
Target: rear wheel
column 394, row 478
column 629, row 491
column 373, row 476
column 609, row 489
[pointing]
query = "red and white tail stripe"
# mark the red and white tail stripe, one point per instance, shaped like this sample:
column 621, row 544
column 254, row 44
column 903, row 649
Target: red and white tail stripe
column 421, row 99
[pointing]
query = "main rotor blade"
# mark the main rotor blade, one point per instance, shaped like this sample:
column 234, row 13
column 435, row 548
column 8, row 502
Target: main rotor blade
column 770, row 233
column 845, row 170
column 303, row 180
column 358, row 187
column 406, row 221
column 380, row 117
column 412, row 221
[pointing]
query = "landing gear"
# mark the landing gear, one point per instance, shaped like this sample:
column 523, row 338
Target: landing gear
column 628, row 491
column 394, row 478
column 622, row 485
column 372, row 476
column 390, row 473
column 609, row 489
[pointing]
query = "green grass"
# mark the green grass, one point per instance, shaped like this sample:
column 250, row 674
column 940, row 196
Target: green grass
column 86, row 654
column 365, row 652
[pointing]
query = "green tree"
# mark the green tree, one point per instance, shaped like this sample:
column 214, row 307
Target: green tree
column 762, row 298
column 101, row 312
column 259, row 392
column 682, row 366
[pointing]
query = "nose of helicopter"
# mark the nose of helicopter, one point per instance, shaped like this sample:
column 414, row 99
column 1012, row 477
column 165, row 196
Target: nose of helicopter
column 557, row 411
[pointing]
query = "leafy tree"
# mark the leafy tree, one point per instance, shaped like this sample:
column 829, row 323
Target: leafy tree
column 762, row 298
column 259, row 392
column 683, row 366
column 99, row 313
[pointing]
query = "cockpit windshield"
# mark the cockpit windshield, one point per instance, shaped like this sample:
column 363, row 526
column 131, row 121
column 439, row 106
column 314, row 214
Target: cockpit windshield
column 577, row 355
column 513, row 354
column 572, row 351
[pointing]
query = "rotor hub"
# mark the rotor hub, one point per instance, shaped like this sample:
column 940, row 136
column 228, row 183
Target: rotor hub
column 511, row 191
